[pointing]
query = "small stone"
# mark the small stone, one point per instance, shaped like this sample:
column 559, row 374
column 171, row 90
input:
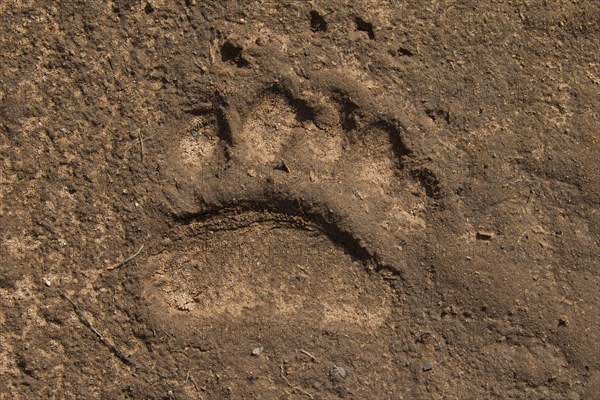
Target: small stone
column 47, row 282
column 187, row 307
column 484, row 235
column 149, row 8
column 447, row 310
column 257, row 351
column 282, row 166
column 185, row 302
column 422, row 338
column 251, row 377
column 427, row 367
column 338, row 373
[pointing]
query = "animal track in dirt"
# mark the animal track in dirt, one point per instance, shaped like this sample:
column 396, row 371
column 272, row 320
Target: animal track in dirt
column 302, row 237
column 277, row 282
column 323, row 146
column 298, row 191
column 235, row 267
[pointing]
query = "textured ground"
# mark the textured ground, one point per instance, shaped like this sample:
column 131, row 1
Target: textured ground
column 315, row 199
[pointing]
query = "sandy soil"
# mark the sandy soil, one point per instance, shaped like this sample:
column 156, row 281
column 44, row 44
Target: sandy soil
column 299, row 199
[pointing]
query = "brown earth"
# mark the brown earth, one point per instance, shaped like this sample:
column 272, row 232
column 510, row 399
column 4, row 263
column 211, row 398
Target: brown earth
column 302, row 199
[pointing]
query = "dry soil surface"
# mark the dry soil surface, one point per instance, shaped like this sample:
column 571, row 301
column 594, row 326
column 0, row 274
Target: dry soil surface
column 299, row 199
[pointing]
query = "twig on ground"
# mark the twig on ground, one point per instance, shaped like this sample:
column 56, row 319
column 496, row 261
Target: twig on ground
column 141, row 145
column 312, row 358
column 190, row 377
column 100, row 337
column 166, row 333
column 296, row 388
column 195, row 384
column 119, row 265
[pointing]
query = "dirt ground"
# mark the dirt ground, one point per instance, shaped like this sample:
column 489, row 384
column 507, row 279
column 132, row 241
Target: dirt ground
column 299, row 199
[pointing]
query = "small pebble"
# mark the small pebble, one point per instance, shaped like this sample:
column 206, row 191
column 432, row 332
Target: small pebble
column 47, row 282
column 422, row 338
column 483, row 235
column 427, row 367
column 251, row 377
column 338, row 373
column 257, row 351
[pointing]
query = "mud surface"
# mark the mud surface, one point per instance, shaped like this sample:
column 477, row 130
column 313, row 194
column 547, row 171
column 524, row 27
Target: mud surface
column 289, row 200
